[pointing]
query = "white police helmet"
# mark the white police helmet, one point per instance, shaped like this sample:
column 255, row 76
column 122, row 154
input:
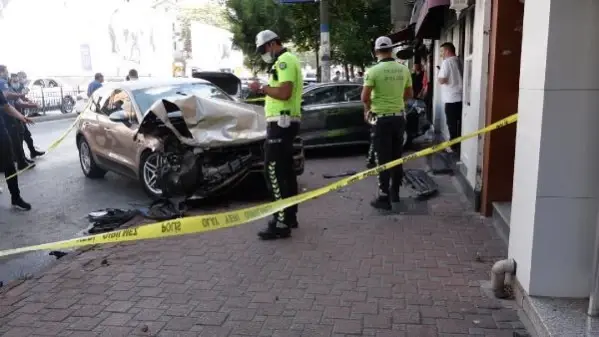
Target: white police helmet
column 263, row 38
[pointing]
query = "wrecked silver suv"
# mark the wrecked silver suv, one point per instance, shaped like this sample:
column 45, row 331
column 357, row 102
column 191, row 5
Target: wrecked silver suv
column 178, row 137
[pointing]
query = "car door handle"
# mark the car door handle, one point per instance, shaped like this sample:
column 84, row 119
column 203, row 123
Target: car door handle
column 108, row 129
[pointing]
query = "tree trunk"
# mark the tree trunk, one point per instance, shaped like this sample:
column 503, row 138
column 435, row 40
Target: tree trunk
column 346, row 67
column 352, row 71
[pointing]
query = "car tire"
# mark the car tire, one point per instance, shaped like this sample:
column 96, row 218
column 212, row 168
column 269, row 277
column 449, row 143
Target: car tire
column 86, row 160
column 147, row 160
column 68, row 104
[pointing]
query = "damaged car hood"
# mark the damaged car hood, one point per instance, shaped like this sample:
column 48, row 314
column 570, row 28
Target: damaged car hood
column 211, row 122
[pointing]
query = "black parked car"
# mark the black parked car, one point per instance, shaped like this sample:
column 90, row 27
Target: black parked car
column 332, row 115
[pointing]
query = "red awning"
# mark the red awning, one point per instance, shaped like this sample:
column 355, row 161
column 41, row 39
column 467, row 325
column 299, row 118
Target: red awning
column 428, row 17
column 406, row 34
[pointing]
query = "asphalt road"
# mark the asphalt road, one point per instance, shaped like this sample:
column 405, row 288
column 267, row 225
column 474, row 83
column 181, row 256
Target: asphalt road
column 61, row 198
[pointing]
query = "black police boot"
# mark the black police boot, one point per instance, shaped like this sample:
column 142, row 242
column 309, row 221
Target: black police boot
column 20, row 204
column 381, row 202
column 395, row 203
column 37, row 153
column 275, row 230
column 293, row 224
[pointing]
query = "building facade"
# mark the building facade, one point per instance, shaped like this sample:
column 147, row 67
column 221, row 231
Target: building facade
column 535, row 58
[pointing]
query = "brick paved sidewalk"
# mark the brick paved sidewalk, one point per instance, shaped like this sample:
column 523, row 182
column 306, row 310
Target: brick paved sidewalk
column 347, row 271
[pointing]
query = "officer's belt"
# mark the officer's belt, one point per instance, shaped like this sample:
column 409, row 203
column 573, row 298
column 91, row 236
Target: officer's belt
column 401, row 113
column 277, row 118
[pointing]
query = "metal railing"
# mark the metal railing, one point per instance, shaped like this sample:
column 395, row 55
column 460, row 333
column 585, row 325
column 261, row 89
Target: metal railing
column 53, row 99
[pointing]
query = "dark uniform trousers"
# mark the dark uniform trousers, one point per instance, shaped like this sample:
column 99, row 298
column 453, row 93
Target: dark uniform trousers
column 370, row 157
column 388, row 146
column 16, row 131
column 453, row 116
column 7, row 164
column 279, row 169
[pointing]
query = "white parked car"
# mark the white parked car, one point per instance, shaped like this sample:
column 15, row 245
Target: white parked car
column 51, row 94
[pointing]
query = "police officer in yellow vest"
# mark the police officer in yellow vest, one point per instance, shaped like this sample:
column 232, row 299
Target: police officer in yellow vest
column 386, row 87
column 283, row 99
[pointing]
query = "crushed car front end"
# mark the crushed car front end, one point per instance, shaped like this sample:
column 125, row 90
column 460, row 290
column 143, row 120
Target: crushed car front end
column 207, row 146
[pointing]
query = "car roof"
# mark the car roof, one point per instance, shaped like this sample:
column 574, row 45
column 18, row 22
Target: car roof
column 153, row 82
column 328, row 84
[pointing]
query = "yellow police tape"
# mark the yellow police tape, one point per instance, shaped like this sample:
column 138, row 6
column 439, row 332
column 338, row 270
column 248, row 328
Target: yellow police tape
column 50, row 148
column 250, row 100
column 205, row 223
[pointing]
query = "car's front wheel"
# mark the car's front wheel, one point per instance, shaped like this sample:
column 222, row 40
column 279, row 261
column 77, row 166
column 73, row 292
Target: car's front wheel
column 68, row 103
column 148, row 174
column 86, row 159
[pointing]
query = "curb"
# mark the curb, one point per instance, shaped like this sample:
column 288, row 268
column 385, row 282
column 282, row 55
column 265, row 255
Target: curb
column 54, row 117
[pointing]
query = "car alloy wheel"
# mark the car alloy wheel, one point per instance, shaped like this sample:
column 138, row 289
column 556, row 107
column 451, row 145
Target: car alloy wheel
column 150, row 173
column 67, row 105
column 85, row 157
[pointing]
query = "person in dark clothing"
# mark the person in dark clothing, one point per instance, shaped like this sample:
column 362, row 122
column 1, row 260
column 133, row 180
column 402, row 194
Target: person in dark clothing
column 133, row 75
column 417, row 79
column 386, row 87
column 23, row 104
column 6, row 158
column 95, row 84
column 15, row 127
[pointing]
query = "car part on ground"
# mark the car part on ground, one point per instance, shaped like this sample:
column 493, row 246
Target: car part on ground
column 164, row 209
column 423, row 185
column 109, row 219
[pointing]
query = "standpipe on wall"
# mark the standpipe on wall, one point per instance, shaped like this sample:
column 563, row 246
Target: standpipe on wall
column 498, row 272
column 593, row 310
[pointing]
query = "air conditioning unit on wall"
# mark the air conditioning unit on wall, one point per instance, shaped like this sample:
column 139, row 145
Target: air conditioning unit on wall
column 458, row 6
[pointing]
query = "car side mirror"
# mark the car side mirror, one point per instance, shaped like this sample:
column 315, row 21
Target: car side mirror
column 118, row 116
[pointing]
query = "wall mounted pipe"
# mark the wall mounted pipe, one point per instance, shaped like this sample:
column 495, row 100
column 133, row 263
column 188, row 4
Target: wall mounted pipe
column 593, row 309
column 498, row 272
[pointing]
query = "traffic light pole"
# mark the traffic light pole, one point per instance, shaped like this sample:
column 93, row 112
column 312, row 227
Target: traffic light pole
column 325, row 43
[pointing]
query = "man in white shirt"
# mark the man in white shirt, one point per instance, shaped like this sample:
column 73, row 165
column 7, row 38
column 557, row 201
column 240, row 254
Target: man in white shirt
column 450, row 80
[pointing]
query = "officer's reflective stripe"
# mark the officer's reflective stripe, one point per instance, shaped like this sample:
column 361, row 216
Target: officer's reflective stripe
column 274, row 183
column 278, row 118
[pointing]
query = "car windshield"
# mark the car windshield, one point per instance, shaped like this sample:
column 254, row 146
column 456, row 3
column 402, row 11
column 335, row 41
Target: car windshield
column 146, row 97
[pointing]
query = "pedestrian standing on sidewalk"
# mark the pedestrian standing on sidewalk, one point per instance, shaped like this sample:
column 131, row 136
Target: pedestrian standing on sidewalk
column 450, row 79
column 283, row 99
column 387, row 86
column 6, row 158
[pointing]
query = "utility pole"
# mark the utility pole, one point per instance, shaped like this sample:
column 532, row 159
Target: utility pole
column 325, row 43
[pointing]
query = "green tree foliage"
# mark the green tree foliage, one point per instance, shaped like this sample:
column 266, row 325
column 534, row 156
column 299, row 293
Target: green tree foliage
column 357, row 23
column 248, row 17
column 354, row 26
